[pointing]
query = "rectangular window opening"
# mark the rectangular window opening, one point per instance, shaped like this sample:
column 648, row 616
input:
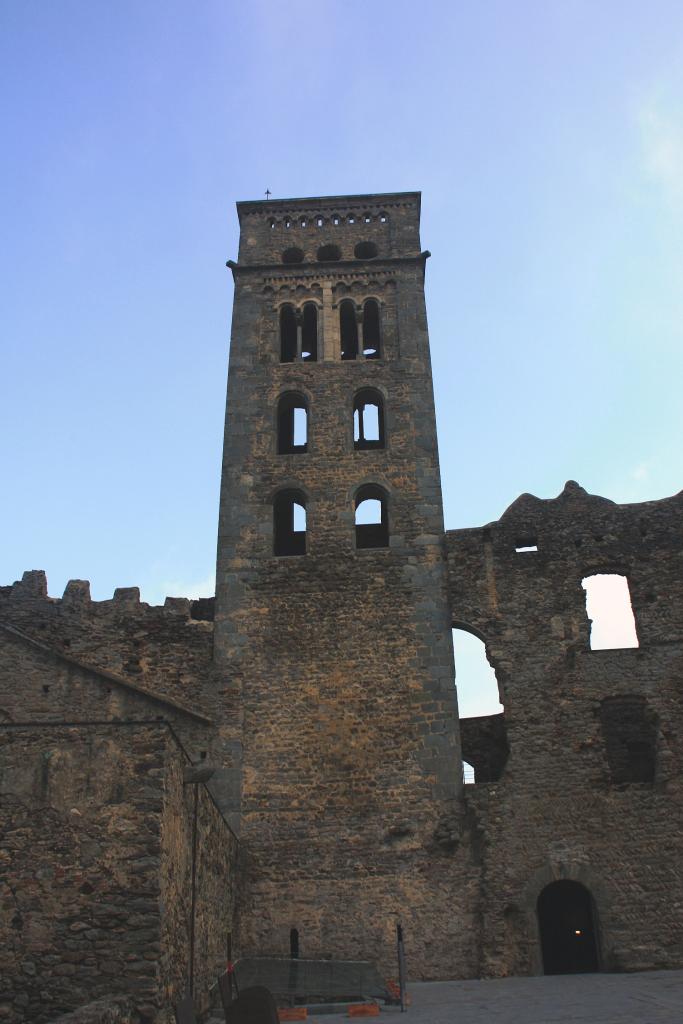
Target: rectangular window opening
column 609, row 611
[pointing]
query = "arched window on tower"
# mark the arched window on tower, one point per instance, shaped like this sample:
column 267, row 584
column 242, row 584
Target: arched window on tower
column 289, row 523
column 288, row 342
column 292, row 424
column 371, row 332
column 348, row 327
column 309, row 333
column 372, row 519
column 368, row 420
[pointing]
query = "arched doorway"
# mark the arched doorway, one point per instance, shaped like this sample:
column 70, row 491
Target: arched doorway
column 566, row 922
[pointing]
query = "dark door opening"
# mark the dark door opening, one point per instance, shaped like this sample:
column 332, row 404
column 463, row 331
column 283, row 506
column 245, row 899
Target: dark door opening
column 566, row 922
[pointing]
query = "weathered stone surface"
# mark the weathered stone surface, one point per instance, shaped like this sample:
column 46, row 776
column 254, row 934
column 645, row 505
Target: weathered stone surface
column 95, row 886
column 114, row 1010
column 342, row 658
column 320, row 691
column 558, row 810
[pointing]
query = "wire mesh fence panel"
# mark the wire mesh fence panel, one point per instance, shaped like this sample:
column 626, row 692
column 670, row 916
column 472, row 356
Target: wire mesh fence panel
column 312, row 980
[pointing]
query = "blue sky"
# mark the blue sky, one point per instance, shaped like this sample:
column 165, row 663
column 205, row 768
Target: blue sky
column 547, row 140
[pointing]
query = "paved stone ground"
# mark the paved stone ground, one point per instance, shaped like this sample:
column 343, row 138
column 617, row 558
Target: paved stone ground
column 655, row 997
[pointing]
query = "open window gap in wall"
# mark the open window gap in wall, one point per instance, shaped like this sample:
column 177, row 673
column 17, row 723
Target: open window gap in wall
column 368, row 420
column 371, row 518
column 609, row 611
column 289, row 524
column 292, row 425
column 526, row 544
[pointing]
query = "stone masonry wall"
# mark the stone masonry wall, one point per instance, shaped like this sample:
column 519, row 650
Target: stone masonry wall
column 96, row 879
column 342, row 657
column 164, row 650
column 39, row 685
column 217, row 884
column 81, row 812
column 556, row 812
column 164, row 653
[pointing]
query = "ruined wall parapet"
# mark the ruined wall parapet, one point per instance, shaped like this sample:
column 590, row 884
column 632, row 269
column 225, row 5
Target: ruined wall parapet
column 163, row 649
column 535, row 596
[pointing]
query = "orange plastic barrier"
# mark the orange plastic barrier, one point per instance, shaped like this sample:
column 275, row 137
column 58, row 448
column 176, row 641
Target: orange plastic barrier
column 364, row 1010
column 292, row 1013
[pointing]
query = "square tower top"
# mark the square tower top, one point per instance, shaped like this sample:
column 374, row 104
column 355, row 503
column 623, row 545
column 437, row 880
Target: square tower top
column 329, row 229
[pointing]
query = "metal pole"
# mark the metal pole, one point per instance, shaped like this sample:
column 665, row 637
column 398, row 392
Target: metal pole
column 194, row 886
column 401, row 966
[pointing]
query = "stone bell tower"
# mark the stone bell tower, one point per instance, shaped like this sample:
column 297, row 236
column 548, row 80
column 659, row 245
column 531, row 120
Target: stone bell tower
column 332, row 626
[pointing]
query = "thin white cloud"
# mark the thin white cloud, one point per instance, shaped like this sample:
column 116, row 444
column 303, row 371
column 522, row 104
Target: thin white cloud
column 157, row 592
column 640, row 472
column 661, row 131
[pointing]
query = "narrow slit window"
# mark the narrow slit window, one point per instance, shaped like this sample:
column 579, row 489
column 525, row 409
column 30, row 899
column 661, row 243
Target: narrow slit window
column 468, row 774
column 288, row 342
column 309, row 333
column 609, row 610
column 371, row 329
column 368, row 420
column 372, row 521
column 292, row 425
column 289, row 523
column 527, row 545
column 348, row 327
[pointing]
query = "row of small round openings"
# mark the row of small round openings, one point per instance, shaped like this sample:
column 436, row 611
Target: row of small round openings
column 293, row 255
column 337, row 220
column 365, row 251
column 327, row 253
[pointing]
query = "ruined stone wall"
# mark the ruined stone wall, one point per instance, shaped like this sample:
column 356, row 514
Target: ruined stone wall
column 165, row 653
column 342, row 657
column 96, row 871
column 80, row 821
column 39, row 685
column 217, row 884
column 558, row 809
column 164, row 650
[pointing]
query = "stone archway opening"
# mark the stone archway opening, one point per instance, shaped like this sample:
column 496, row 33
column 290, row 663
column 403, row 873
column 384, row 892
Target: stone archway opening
column 567, row 929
